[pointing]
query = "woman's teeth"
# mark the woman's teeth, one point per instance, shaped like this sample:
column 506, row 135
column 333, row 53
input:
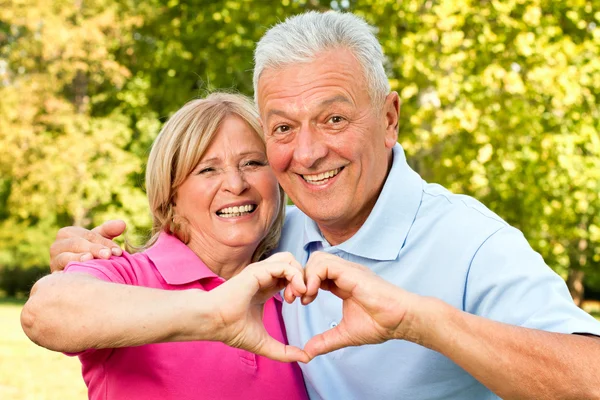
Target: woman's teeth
column 322, row 178
column 230, row 212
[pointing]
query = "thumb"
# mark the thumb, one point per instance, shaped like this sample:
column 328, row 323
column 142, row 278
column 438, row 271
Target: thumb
column 110, row 229
column 278, row 351
column 326, row 342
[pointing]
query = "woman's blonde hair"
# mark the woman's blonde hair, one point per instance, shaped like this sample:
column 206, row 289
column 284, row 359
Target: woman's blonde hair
column 178, row 149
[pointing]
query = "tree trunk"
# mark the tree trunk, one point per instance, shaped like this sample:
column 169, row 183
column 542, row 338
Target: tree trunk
column 575, row 285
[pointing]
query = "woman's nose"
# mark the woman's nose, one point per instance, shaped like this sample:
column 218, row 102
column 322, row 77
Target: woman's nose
column 235, row 181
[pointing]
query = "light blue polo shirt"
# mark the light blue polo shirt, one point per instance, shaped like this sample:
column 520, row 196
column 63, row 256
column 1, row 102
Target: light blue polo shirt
column 429, row 241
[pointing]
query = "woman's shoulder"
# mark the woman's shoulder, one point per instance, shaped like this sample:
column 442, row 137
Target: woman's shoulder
column 128, row 268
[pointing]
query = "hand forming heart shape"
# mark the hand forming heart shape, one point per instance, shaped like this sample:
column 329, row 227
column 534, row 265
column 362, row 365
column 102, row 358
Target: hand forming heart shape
column 374, row 310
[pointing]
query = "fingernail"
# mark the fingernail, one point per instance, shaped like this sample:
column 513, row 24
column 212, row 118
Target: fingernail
column 104, row 253
column 116, row 251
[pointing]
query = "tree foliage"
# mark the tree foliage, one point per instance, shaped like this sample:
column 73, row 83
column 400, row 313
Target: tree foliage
column 500, row 101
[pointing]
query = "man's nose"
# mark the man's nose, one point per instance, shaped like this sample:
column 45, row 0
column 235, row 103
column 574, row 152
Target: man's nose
column 309, row 147
column 235, row 182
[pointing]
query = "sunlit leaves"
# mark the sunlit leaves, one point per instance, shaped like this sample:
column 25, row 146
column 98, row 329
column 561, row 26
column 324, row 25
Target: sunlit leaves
column 501, row 101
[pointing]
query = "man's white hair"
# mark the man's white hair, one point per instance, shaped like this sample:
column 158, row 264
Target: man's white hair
column 300, row 39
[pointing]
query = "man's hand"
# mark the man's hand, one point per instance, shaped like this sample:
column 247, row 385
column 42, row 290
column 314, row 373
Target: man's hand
column 374, row 310
column 241, row 301
column 79, row 244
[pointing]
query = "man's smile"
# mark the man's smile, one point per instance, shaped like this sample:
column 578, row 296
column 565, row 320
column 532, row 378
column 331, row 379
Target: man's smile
column 321, row 178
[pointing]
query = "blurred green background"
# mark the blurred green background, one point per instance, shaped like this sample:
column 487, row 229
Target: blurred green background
column 500, row 100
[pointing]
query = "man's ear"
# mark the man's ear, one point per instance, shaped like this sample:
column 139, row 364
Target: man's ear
column 391, row 108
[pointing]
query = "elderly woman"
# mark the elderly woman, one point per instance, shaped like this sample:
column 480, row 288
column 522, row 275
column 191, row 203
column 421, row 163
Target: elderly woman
column 160, row 323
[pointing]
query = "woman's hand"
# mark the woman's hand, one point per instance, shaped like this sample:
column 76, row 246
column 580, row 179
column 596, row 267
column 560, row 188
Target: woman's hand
column 241, row 301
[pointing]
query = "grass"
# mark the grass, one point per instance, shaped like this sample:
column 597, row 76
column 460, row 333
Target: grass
column 30, row 372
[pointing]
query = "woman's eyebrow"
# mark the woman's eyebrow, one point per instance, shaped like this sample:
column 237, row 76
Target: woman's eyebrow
column 242, row 154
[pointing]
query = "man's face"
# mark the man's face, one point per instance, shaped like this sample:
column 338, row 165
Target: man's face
column 328, row 145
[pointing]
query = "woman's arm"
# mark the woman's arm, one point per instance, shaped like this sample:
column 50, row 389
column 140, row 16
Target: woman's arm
column 72, row 312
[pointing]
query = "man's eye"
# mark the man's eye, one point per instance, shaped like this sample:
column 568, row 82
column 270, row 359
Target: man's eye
column 282, row 129
column 336, row 119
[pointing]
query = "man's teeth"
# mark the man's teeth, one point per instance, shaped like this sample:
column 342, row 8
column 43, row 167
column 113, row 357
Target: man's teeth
column 322, row 178
column 230, row 212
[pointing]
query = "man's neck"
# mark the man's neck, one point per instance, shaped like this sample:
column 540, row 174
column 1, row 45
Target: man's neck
column 335, row 236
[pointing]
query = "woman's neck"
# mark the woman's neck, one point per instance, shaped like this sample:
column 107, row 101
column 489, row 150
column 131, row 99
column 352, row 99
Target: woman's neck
column 224, row 261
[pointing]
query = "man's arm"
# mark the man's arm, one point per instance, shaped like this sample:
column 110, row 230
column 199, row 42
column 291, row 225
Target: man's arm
column 72, row 312
column 513, row 362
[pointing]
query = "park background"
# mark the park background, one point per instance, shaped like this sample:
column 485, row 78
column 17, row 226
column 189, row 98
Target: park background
column 500, row 100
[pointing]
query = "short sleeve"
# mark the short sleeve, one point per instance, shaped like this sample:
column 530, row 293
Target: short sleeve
column 115, row 269
column 509, row 282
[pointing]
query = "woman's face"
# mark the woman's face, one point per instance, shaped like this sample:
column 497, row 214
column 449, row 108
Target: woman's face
column 231, row 197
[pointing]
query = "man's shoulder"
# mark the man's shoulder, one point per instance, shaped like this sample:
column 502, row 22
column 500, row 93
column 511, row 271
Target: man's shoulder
column 439, row 200
column 454, row 218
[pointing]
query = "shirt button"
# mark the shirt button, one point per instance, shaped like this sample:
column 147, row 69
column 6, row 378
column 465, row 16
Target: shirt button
column 333, row 325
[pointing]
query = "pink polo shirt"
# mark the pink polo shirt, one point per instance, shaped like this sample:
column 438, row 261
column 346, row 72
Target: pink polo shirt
column 182, row 370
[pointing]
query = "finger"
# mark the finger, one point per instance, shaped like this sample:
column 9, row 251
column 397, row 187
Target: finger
column 278, row 351
column 288, row 258
column 293, row 275
column 290, row 294
column 78, row 244
column 314, row 274
column 339, row 272
column 294, row 263
column 313, row 283
column 71, row 232
column 326, row 342
column 59, row 262
column 111, row 229
column 284, row 256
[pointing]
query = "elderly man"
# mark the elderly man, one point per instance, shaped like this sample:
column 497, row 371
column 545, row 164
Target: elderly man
column 459, row 304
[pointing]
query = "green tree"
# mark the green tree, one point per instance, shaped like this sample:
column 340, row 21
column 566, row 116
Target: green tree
column 63, row 158
column 501, row 101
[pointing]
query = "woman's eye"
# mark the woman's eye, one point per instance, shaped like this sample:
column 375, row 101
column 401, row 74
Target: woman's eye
column 205, row 170
column 255, row 163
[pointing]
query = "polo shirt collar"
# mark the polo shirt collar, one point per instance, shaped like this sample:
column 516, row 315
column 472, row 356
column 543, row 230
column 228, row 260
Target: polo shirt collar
column 383, row 234
column 176, row 262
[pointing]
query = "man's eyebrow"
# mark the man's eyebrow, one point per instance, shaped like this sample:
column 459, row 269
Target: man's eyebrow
column 335, row 99
column 275, row 112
